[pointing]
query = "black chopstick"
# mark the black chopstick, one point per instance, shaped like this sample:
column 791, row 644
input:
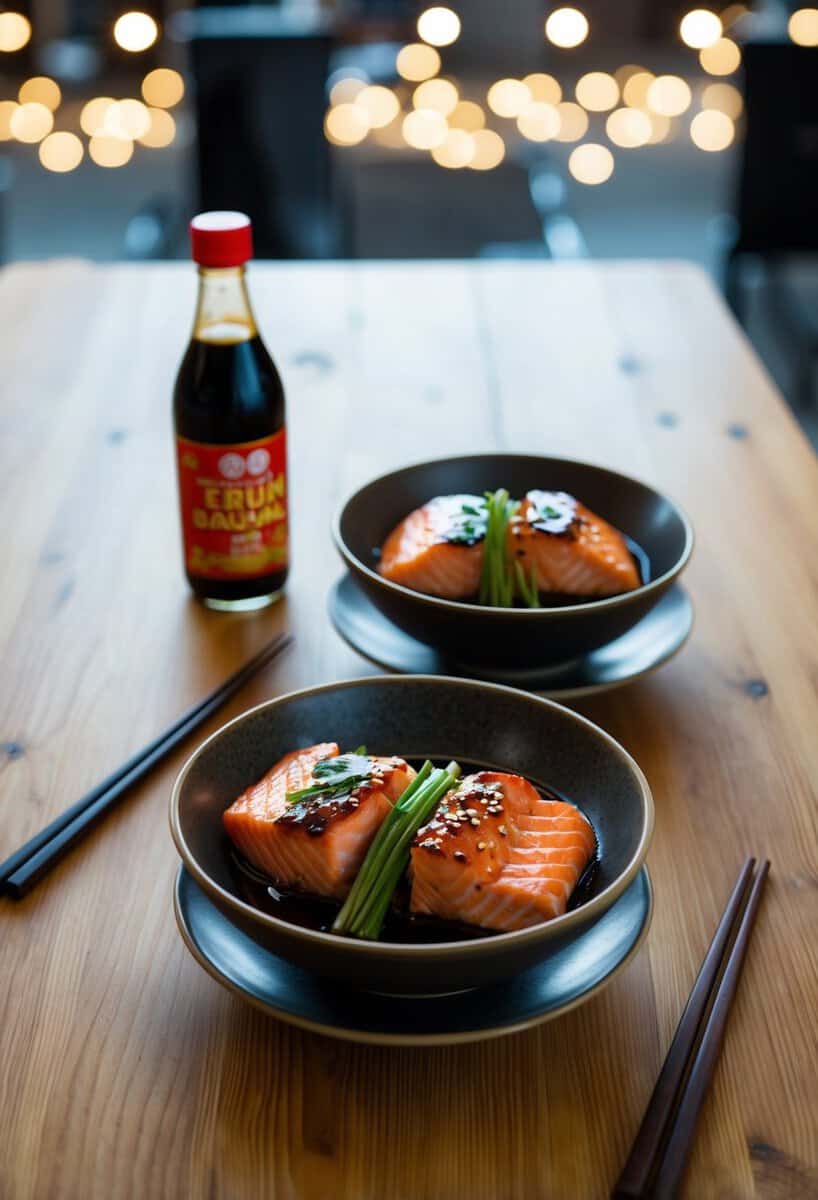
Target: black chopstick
column 661, row 1146
column 674, row 1159
column 38, row 855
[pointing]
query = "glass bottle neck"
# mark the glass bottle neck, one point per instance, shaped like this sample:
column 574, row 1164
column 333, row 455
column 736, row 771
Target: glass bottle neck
column 223, row 312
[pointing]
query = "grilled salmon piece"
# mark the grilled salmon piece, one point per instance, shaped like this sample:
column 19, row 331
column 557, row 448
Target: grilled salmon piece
column 569, row 548
column 499, row 855
column 316, row 845
column 438, row 549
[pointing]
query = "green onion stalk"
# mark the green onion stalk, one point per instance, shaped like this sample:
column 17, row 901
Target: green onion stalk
column 499, row 579
column 367, row 904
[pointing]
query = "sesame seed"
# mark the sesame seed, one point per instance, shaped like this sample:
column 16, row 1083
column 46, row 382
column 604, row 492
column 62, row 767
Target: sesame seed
column 474, row 821
column 502, row 829
column 481, row 845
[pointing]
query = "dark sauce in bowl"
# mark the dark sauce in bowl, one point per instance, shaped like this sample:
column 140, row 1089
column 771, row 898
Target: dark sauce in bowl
column 315, row 912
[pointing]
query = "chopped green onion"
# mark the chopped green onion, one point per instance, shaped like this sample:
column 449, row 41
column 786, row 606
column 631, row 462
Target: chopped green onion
column 368, row 902
column 527, row 588
column 496, row 584
column 500, row 578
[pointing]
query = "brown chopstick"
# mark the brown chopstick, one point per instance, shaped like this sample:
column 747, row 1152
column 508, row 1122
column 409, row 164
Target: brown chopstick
column 26, row 866
column 671, row 1169
column 659, row 1154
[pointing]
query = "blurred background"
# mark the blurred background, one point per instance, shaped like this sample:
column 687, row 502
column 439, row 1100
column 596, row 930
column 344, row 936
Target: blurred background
column 389, row 128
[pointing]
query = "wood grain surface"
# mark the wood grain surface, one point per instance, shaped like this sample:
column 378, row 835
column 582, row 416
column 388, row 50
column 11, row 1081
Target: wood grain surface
column 125, row 1071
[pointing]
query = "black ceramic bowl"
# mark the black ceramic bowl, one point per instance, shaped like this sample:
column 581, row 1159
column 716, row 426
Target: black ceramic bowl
column 417, row 716
column 473, row 633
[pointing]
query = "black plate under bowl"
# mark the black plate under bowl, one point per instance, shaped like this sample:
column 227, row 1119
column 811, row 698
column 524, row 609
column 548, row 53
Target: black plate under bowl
column 651, row 642
column 543, row 992
column 513, row 637
column 417, row 716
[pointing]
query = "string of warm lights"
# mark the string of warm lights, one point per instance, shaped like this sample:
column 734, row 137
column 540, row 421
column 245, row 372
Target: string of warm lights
column 112, row 126
column 637, row 107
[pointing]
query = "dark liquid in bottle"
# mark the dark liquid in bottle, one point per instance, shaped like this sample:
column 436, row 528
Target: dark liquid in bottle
column 229, row 392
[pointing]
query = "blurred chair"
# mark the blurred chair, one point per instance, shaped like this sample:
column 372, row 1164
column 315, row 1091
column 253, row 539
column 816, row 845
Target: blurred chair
column 259, row 77
column 777, row 199
column 403, row 207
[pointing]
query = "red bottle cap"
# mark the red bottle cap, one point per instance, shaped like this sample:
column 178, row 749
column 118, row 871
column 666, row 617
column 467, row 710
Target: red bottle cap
column 221, row 239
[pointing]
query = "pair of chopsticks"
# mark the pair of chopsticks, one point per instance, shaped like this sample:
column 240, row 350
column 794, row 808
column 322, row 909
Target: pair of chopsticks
column 659, row 1154
column 20, row 872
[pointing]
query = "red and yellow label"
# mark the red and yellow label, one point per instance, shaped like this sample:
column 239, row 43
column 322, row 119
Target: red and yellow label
column 234, row 507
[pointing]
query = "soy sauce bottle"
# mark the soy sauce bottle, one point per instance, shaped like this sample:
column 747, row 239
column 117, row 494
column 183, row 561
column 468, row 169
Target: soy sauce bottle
column 229, row 420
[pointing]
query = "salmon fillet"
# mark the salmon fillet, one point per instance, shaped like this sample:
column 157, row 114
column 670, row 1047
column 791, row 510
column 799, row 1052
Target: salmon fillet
column 438, row 549
column 499, row 855
column 316, row 845
column 569, row 548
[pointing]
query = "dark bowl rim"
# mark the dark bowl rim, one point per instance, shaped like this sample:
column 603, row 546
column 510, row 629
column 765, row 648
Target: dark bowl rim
column 459, row 606
column 465, row 949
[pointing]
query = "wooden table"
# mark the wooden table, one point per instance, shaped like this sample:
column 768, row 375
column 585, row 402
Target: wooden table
column 126, row 1071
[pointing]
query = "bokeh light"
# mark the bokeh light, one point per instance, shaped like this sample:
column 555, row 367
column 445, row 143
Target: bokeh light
column 417, row 62
column 467, row 115
column 722, row 58
column 566, row 28
column 622, row 74
column 544, row 88
column 135, row 32
column 712, row 130
column 456, row 151
column 163, row 88
column 61, row 152
column 347, row 88
column 573, row 122
column 346, row 124
column 380, row 104
column 700, row 28
column 108, row 151
column 733, row 13
column 489, row 150
column 162, row 129
column 425, row 128
column 661, row 128
column 508, row 97
column 31, row 122
column 597, row 91
column 439, row 26
column 669, row 95
column 439, row 94
column 591, row 163
column 539, row 122
column 725, row 98
column 7, row 111
column 803, row 27
column 92, row 117
column 635, row 89
column 40, row 90
column 127, row 119
column 15, row 31
column 629, row 127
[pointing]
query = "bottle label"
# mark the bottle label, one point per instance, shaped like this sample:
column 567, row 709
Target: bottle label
column 234, row 507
